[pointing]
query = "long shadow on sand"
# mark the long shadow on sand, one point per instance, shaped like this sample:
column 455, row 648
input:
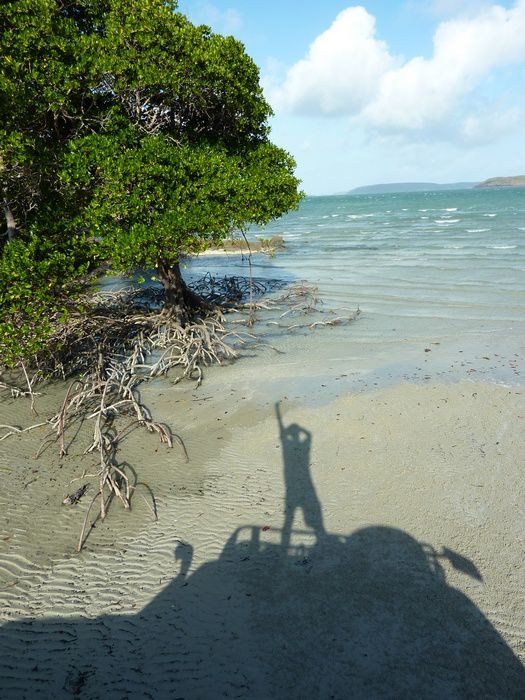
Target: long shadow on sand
column 296, row 443
column 280, row 614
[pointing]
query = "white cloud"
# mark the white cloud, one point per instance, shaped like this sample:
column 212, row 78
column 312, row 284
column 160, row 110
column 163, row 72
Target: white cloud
column 341, row 71
column 232, row 20
column 423, row 92
column 226, row 22
column 485, row 126
column 456, row 7
column 349, row 71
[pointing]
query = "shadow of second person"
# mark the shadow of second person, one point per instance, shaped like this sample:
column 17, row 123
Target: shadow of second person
column 296, row 443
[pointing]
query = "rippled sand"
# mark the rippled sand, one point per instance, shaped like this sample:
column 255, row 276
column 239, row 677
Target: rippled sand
column 370, row 547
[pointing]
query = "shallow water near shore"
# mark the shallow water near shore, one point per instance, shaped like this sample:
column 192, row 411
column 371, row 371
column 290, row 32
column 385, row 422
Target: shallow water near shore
column 364, row 539
column 438, row 270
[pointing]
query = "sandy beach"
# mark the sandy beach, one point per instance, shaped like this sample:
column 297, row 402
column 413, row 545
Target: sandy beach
column 262, row 350
column 350, row 521
column 369, row 546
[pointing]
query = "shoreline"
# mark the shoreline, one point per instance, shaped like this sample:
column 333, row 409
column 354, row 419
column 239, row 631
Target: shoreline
column 269, row 246
column 373, row 534
column 221, row 251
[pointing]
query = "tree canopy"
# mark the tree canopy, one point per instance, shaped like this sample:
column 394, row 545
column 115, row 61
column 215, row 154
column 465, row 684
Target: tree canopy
column 129, row 135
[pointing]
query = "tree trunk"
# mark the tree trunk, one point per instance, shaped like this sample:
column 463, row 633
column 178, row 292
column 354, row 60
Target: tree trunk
column 179, row 300
column 10, row 222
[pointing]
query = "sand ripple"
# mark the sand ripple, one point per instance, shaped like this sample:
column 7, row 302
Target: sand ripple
column 419, row 494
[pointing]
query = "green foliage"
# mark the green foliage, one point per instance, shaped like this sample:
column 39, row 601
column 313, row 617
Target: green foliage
column 35, row 284
column 126, row 134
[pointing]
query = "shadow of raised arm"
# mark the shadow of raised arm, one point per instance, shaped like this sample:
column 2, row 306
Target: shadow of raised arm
column 279, row 417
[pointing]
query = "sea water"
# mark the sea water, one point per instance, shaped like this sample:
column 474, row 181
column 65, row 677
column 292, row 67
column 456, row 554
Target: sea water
column 439, row 278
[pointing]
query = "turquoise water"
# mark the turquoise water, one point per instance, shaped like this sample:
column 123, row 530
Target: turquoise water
column 440, row 268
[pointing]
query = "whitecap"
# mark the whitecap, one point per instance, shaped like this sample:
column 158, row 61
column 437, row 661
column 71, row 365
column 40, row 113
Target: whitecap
column 447, row 221
column 501, row 247
column 477, row 230
column 491, row 215
column 451, row 209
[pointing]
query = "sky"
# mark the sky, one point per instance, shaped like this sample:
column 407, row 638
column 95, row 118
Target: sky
column 386, row 90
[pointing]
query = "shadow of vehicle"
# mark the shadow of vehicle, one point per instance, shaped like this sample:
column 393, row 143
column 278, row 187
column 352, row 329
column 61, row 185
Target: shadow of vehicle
column 282, row 613
column 365, row 616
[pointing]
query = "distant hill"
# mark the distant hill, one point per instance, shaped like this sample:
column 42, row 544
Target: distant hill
column 411, row 187
column 516, row 181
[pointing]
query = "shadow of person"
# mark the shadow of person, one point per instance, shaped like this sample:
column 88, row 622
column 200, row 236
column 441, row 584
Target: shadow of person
column 365, row 616
column 184, row 554
column 300, row 491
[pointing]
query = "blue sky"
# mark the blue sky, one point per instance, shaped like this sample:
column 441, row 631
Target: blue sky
column 386, row 91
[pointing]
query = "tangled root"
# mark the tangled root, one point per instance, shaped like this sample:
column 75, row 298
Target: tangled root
column 114, row 341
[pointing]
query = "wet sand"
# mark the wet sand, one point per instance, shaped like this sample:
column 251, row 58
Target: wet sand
column 369, row 545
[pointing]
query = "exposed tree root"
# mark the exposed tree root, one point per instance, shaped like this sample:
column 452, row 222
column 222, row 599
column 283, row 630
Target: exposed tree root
column 300, row 299
column 114, row 341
